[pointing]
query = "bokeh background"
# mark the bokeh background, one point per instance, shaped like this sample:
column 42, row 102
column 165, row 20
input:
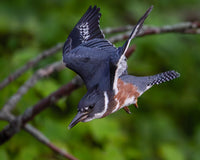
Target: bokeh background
column 166, row 126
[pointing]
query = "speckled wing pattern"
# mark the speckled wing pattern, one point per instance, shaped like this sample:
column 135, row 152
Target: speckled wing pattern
column 87, row 52
column 86, row 29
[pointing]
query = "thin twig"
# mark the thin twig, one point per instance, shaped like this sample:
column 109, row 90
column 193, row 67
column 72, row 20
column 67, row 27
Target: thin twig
column 30, row 64
column 31, row 112
column 6, row 116
column 11, row 103
column 179, row 27
column 187, row 28
column 184, row 28
column 130, row 51
column 40, row 137
column 111, row 30
column 16, row 127
column 65, row 90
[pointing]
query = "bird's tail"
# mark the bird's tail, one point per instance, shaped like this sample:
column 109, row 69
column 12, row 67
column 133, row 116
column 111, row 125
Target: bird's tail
column 146, row 82
column 159, row 78
column 162, row 77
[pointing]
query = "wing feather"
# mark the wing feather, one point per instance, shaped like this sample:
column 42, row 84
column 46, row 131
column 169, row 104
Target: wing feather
column 87, row 52
column 121, row 66
column 86, row 29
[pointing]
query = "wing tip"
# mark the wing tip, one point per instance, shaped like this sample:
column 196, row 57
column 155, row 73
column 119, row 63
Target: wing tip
column 136, row 30
column 142, row 19
column 147, row 12
column 150, row 8
column 94, row 8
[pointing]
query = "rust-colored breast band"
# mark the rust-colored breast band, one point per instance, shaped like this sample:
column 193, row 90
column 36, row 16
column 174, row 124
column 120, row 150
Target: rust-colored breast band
column 125, row 90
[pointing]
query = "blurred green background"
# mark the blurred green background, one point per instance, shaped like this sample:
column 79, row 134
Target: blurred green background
column 167, row 124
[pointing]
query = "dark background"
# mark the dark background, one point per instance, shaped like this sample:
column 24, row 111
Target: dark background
column 167, row 124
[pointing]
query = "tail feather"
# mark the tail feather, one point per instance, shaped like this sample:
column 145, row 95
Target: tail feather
column 146, row 82
column 162, row 77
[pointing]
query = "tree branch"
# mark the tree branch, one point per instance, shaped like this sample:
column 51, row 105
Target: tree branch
column 184, row 28
column 10, row 105
column 30, row 64
column 65, row 90
column 112, row 30
column 40, row 137
column 16, row 127
column 31, row 112
column 179, row 27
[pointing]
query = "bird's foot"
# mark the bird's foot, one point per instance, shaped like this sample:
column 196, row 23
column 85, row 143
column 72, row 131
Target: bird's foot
column 127, row 110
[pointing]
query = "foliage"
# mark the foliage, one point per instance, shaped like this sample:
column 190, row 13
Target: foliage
column 166, row 125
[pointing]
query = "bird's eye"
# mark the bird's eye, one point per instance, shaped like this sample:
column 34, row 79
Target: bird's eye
column 91, row 106
column 87, row 108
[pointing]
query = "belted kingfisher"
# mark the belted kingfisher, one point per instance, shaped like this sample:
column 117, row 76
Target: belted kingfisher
column 103, row 68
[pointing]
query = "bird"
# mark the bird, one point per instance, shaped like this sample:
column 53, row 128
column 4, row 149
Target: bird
column 103, row 69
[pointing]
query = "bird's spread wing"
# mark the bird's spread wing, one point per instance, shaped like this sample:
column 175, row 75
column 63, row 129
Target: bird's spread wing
column 94, row 69
column 121, row 65
column 87, row 52
column 86, row 29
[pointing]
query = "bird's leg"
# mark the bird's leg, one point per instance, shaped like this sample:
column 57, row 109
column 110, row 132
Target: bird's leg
column 127, row 110
column 135, row 104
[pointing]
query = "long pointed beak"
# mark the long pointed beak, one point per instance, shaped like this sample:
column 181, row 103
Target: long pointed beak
column 78, row 118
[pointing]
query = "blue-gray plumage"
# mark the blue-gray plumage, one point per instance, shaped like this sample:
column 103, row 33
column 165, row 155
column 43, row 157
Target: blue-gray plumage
column 103, row 68
column 146, row 82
